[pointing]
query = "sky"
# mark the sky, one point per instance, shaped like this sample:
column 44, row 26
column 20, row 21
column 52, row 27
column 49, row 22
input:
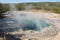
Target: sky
column 21, row 1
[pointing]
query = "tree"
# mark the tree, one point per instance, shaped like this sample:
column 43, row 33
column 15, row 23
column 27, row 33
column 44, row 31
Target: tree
column 1, row 11
column 3, row 8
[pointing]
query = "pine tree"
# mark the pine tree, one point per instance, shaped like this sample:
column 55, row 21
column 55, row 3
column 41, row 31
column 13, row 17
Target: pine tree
column 1, row 11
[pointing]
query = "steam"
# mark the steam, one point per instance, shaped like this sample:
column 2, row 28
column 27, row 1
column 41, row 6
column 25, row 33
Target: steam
column 27, row 21
column 28, row 6
column 12, row 7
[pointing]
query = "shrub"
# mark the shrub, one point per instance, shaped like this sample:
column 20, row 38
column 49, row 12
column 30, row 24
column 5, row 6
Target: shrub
column 3, row 8
column 56, row 10
column 20, row 7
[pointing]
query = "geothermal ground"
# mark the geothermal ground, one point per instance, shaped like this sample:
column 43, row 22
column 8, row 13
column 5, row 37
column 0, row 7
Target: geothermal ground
column 49, row 33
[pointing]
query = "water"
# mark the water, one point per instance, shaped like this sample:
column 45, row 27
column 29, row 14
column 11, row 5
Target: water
column 25, row 21
column 20, row 20
column 31, row 25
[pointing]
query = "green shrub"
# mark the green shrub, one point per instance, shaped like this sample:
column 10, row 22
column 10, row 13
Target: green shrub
column 56, row 10
column 20, row 7
column 3, row 8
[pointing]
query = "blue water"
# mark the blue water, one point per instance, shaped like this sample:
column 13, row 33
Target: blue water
column 31, row 25
column 8, row 24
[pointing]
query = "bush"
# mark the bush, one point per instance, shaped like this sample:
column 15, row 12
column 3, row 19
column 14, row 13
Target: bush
column 56, row 10
column 3, row 8
column 20, row 7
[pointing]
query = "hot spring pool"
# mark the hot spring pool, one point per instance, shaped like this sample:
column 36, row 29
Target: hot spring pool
column 22, row 21
column 32, row 25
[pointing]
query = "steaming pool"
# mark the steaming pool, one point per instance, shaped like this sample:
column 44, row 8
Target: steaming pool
column 22, row 21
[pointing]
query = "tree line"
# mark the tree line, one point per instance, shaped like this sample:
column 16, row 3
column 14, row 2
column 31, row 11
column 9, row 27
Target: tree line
column 49, row 6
